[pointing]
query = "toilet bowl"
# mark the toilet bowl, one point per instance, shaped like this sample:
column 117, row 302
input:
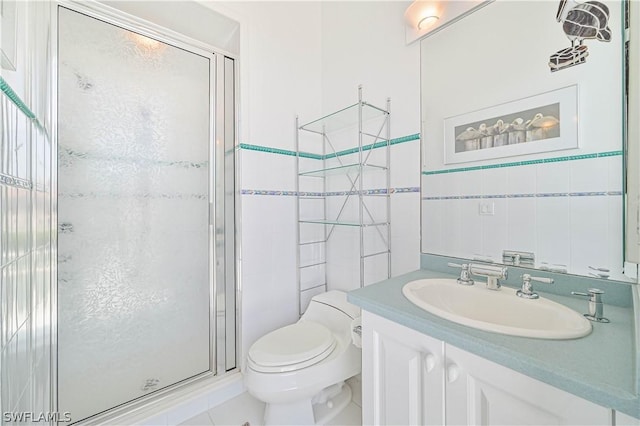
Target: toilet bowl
column 299, row 370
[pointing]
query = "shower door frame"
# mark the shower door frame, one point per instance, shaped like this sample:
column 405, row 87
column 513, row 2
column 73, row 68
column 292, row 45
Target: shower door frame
column 224, row 267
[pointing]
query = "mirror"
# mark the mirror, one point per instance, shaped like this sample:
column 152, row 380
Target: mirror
column 632, row 234
column 522, row 139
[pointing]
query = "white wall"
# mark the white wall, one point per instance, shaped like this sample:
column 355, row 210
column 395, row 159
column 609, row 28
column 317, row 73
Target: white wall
column 306, row 58
column 566, row 212
column 364, row 43
column 280, row 66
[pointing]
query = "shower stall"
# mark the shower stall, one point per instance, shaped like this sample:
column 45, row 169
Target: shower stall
column 146, row 295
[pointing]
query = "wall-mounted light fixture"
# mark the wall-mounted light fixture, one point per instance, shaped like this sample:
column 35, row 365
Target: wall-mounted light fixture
column 427, row 22
column 425, row 17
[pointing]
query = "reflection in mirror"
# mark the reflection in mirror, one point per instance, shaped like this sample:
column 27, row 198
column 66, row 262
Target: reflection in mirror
column 632, row 92
column 558, row 203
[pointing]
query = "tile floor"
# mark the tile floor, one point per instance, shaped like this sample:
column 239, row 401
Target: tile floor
column 246, row 410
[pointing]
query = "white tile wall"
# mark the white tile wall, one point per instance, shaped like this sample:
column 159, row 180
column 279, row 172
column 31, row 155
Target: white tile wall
column 570, row 228
column 469, row 183
column 405, row 235
column 494, row 232
column 552, row 177
column 615, row 247
column 553, row 230
column 343, row 255
column 494, row 181
column 615, row 173
column 590, row 175
column 470, row 242
column 589, row 226
column 521, row 180
column 451, row 233
column 269, row 295
column 405, row 164
column 267, row 171
column 268, row 238
column 521, row 236
column 432, row 225
column 25, row 226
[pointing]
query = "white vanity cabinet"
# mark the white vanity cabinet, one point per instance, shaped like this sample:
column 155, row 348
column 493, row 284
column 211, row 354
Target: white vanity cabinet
column 409, row 378
column 402, row 375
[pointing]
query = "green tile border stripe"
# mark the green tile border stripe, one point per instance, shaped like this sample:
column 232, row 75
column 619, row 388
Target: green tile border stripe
column 381, row 144
column 7, row 90
column 270, row 150
column 267, row 149
column 526, row 163
column 303, row 154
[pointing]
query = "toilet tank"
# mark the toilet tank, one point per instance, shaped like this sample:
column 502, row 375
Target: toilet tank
column 332, row 310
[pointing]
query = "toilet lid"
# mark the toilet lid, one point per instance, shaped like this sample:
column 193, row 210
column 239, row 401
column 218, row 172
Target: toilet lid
column 305, row 342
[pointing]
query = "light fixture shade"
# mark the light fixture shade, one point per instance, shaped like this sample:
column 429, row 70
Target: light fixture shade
column 427, row 22
column 424, row 17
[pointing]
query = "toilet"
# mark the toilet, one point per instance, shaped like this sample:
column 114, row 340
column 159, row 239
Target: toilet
column 299, row 370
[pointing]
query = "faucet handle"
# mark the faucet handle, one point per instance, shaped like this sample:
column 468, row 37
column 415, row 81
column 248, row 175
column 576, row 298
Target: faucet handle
column 594, row 294
column 465, row 276
column 538, row 279
column 596, row 307
column 526, row 292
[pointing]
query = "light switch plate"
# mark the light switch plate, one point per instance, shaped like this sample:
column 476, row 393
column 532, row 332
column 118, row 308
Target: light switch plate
column 487, row 208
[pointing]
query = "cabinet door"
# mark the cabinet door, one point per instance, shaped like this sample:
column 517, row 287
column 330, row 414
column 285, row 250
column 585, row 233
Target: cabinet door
column 481, row 392
column 402, row 375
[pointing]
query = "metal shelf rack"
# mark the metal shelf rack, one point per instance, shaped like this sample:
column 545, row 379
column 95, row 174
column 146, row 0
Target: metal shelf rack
column 328, row 158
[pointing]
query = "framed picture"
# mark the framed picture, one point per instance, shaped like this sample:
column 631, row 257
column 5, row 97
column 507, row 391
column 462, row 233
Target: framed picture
column 540, row 123
column 8, row 33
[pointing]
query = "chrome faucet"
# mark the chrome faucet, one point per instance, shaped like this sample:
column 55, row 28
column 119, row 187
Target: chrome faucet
column 526, row 292
column 465, row 276
column 493, row 274
column 596, row 307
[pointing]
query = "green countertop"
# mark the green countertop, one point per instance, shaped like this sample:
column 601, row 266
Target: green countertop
column 601, row 367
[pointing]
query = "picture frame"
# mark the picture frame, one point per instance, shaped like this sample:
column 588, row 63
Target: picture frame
column 8, row 34
column 531, row 125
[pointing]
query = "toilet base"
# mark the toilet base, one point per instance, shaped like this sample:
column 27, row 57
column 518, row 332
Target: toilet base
column 327, row 411
column 318, row 410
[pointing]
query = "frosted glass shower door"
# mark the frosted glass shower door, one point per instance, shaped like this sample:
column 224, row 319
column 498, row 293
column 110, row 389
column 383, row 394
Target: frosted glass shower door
column 134, row 179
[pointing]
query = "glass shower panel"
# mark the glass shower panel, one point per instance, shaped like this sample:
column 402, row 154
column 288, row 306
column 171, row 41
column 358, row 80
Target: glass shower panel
column 134, row 281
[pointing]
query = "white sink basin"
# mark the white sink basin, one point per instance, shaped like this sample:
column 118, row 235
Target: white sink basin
column 496, row 311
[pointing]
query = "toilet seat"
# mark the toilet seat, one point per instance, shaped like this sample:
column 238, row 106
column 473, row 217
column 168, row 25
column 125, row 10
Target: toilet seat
column 290, row 348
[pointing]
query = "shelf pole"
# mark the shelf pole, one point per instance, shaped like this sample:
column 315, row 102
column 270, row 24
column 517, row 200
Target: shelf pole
column 325, row 207
column 360, row 187
column 389, row 187
column 298, row 275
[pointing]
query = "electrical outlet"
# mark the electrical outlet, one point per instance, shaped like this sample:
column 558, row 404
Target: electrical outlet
column 487, row 208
